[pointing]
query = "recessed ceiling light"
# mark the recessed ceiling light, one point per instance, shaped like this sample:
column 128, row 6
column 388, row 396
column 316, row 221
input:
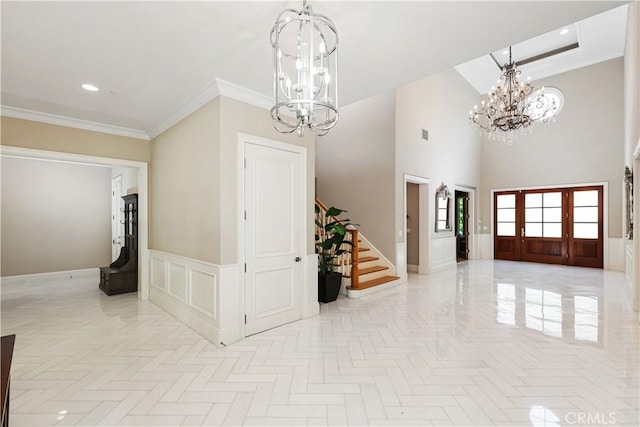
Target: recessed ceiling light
column 564, row 31
column 90, row 87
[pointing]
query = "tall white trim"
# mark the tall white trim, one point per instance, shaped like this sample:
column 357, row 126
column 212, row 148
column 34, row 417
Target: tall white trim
column 143, row 198
column 54, row 119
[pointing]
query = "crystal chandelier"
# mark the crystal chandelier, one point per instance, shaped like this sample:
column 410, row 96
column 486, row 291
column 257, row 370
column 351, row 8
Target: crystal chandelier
column 305, row 67
column 514, row 105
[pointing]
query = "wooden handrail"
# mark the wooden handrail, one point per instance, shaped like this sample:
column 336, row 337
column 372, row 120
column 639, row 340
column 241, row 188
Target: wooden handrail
column 321, row 204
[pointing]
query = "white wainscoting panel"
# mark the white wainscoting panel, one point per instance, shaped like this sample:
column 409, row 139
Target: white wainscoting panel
column 159, row 273
column 485, row 246
column 204, row 296
column 204, row 292
column 442, row 253
column 178, row 281
column 615, row 260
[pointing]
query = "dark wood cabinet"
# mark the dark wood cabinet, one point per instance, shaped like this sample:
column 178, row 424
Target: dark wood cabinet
column 6, row 345
column 122, row 275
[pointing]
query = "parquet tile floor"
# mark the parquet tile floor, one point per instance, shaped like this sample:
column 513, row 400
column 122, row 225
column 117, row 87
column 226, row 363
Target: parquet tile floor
column 488, row 343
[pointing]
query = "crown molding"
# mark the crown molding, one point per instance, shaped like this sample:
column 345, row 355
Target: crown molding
column 54, row 119
column 208, row 93
column 242, row 94
column 214, row 89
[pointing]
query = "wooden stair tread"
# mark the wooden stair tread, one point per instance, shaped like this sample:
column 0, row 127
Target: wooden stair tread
column 363, row 249
column 368, row 258
column 372, row 269
column 374, row 282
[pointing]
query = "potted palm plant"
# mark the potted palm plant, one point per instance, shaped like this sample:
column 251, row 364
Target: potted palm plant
column 331, row 242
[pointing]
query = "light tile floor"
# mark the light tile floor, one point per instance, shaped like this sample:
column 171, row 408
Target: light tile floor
column 490, row 343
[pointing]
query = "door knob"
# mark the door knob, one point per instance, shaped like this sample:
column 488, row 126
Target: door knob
column 298, row 259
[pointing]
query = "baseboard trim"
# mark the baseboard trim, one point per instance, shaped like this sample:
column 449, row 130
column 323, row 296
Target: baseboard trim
column 54, row 275
column 412, row 268
column 443, row 265
column 192, row 318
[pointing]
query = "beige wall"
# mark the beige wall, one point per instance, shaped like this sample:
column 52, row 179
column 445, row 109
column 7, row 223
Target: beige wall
column 194, row 180
column 438, row 104
column 55, row 216
column 355, row 168
column 235, row 117
column 413, row 224
column 43, row 136
column 585, row 144
column 185, row 187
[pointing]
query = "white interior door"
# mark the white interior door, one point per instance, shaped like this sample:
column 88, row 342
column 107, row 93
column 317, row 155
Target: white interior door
column 117, row 216
column 274, row 212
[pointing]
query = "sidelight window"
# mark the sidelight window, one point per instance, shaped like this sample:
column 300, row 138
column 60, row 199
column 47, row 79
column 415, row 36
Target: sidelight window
column 506, row 214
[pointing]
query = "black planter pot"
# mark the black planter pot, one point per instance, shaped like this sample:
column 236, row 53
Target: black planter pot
column 329, row 286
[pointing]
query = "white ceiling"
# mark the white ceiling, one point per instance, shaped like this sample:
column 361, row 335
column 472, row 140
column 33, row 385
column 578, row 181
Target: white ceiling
column 150, row 59
column 599, row 38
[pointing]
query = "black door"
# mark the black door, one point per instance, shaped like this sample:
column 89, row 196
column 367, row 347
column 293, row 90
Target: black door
column 462, row 225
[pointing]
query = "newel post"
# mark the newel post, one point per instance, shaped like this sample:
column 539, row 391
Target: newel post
column 355, row 254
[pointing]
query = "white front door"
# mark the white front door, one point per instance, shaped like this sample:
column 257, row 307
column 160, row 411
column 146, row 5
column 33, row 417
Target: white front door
column 273, row 236
column 117, row 216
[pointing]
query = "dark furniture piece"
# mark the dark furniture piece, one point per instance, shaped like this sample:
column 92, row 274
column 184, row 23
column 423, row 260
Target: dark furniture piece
column 6, row 346
column 122, row 275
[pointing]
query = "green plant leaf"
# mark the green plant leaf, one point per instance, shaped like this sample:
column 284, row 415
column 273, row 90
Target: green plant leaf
column 334, row 212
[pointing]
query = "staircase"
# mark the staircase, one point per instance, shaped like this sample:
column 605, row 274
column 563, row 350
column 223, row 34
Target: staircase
column 364, row 269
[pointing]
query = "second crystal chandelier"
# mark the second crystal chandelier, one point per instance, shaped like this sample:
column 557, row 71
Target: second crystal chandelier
column 514, row 105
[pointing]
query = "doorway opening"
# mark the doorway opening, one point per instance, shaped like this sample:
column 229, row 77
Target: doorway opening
column 140, row 169
column 417, row 222
column 462, row 225
column 413, row 227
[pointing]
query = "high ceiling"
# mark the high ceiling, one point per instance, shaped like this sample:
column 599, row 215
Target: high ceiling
column 586, row 42
column 150, row 59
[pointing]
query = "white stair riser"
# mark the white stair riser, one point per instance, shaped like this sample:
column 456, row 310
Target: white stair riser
column 368, row 264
